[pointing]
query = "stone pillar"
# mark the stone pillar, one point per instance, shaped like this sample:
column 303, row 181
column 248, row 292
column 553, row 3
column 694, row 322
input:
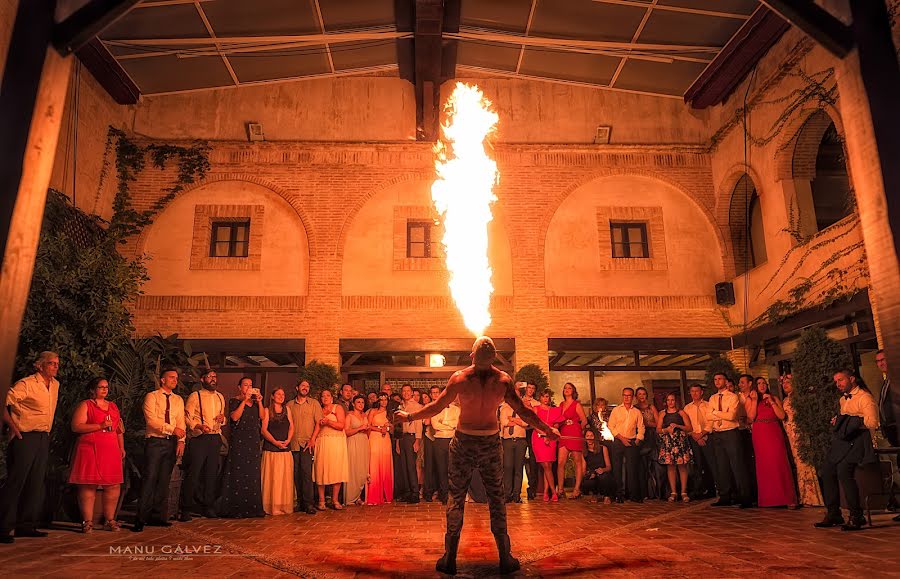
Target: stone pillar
column 531, row 348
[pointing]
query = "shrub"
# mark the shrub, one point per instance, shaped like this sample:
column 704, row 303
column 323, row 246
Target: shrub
column 320, row 376
column 533, row 374
column 816, row 360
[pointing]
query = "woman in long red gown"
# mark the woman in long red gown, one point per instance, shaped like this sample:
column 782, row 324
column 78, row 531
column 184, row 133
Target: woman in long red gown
column 380, row 488
column 773, row 470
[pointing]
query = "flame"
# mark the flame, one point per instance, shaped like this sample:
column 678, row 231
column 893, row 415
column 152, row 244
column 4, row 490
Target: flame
column 463, row 194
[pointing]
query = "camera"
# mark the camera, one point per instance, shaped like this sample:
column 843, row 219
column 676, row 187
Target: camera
column 255, row 393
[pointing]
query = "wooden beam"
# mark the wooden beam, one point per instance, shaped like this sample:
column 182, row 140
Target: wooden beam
column 527, row 31
column 712, row 344
column 392, row 369
column 428, row 62
column 737, row 59
column 869, row 82
column 831, row 33
column 351, row 360
column 32, row 97
column 697, row 11
column 247, row 345
column 108, row 72
column 424, row 345
column 87, row 22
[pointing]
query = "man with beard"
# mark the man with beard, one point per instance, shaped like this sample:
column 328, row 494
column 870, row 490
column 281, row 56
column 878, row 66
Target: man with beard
column 479, row 389
column 204, row 415
column 306, row 413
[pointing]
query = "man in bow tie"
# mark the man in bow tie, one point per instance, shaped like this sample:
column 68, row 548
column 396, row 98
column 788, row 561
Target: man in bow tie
column 851, row 445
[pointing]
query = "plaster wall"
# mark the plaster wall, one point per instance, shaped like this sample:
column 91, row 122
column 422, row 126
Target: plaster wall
column 284, row 267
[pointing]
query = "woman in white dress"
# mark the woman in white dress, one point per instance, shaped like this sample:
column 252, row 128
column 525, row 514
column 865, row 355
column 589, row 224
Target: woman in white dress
column 330, row 443
column 357, row 451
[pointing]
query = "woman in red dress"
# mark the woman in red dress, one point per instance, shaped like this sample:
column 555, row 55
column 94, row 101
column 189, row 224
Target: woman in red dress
column 773, row 471
column 98, row 455
column 544, row 449
column 571, row 441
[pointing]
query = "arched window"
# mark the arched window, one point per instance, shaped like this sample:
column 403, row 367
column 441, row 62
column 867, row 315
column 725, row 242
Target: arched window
column 821, row 182
column 831, row 193
column 745, row 222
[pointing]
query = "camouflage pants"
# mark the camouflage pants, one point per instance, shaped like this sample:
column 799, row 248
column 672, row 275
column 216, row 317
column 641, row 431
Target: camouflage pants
column 467, row 453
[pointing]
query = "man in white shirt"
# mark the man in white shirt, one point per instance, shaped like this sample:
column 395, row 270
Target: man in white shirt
column 512, row 436
column 443, row 425
column 531, row 466
column 626, row 423
column 853, row 433
column 723, row 425
column 204, row 415
column 408, row 446
column 164, row 443
column 32, row 404
column 703, row 479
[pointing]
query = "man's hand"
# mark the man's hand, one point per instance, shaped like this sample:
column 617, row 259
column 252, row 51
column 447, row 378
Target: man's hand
column 204, row 429
column 310, row 446
column 624, row 440
column 416, row 445
column 178, row 432
column 220, row 418
column 179, row 450
column 401, row 416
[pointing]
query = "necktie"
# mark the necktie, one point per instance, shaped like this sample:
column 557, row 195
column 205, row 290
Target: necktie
column 720, row 403
column 167, row 408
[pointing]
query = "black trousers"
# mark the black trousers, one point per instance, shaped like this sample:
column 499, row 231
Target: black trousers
column 732, row 479
column 531, row 466
column 626, row 460
column 428, row 482
column 408, row 466
column 440, row 448
column 752, row 490
column 202, row 462
column 159, row 460
column 834, row 477
column 22, row 495
column 600, row 485
column 513, row 463
column 703, row 471
column 303, row 479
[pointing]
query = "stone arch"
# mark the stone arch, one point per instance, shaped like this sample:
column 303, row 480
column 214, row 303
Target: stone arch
column 291, row 200
column 556, row 202
column 797, row 150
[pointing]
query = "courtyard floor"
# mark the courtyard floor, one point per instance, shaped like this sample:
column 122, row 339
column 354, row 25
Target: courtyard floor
column 567, row 539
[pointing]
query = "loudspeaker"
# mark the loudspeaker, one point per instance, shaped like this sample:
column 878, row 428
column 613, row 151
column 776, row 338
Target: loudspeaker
column 725, row 293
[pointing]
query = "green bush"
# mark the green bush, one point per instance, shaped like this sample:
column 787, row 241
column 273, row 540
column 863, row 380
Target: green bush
column 533, row 374
column 320, row 376
column 814, row 398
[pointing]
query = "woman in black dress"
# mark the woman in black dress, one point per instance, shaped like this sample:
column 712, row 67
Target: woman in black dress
column 242, row 493
column 598, row 480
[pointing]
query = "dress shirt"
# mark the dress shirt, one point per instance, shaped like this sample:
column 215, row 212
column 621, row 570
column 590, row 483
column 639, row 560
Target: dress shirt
column 862, row 404
column 414, row 427
column 626, row 422
column 506, row 414
column 211, row 403
column 32, row 404
column 727, row 418
column 155, row 414
column 697, row 412
column 306, row 415
column 743, row 423
column 444, row 422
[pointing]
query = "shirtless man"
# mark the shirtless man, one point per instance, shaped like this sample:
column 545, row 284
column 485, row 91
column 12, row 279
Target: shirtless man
column 480, row 388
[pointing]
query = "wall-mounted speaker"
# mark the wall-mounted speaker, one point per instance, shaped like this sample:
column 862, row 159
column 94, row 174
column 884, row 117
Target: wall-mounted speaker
column 725, row 293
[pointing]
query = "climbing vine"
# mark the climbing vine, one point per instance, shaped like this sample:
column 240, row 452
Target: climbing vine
column 130, row 160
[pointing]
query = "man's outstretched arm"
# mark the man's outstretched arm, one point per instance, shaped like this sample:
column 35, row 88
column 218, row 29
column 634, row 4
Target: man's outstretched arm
column 526, row 413
column 434, row 407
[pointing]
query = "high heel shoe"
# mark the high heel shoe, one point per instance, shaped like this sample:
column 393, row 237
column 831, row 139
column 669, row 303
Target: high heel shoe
column 546, row 497
column 685, row 498
column 555, row 498
column 320, row 507
column 672, row 497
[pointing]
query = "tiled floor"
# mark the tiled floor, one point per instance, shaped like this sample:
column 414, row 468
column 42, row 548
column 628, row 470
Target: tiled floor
column 568, row 539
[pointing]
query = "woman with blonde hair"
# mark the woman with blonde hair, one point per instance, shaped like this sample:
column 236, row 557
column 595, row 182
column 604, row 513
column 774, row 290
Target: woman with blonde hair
column 277, row 461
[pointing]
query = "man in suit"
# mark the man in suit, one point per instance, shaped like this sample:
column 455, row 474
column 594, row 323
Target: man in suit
column 851, row 445
column 888, row 407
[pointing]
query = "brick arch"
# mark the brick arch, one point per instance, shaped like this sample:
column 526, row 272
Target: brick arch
column 796, row 153
column 429, row 176
column 732, row 216
column 597, row 175
column 291, row 199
